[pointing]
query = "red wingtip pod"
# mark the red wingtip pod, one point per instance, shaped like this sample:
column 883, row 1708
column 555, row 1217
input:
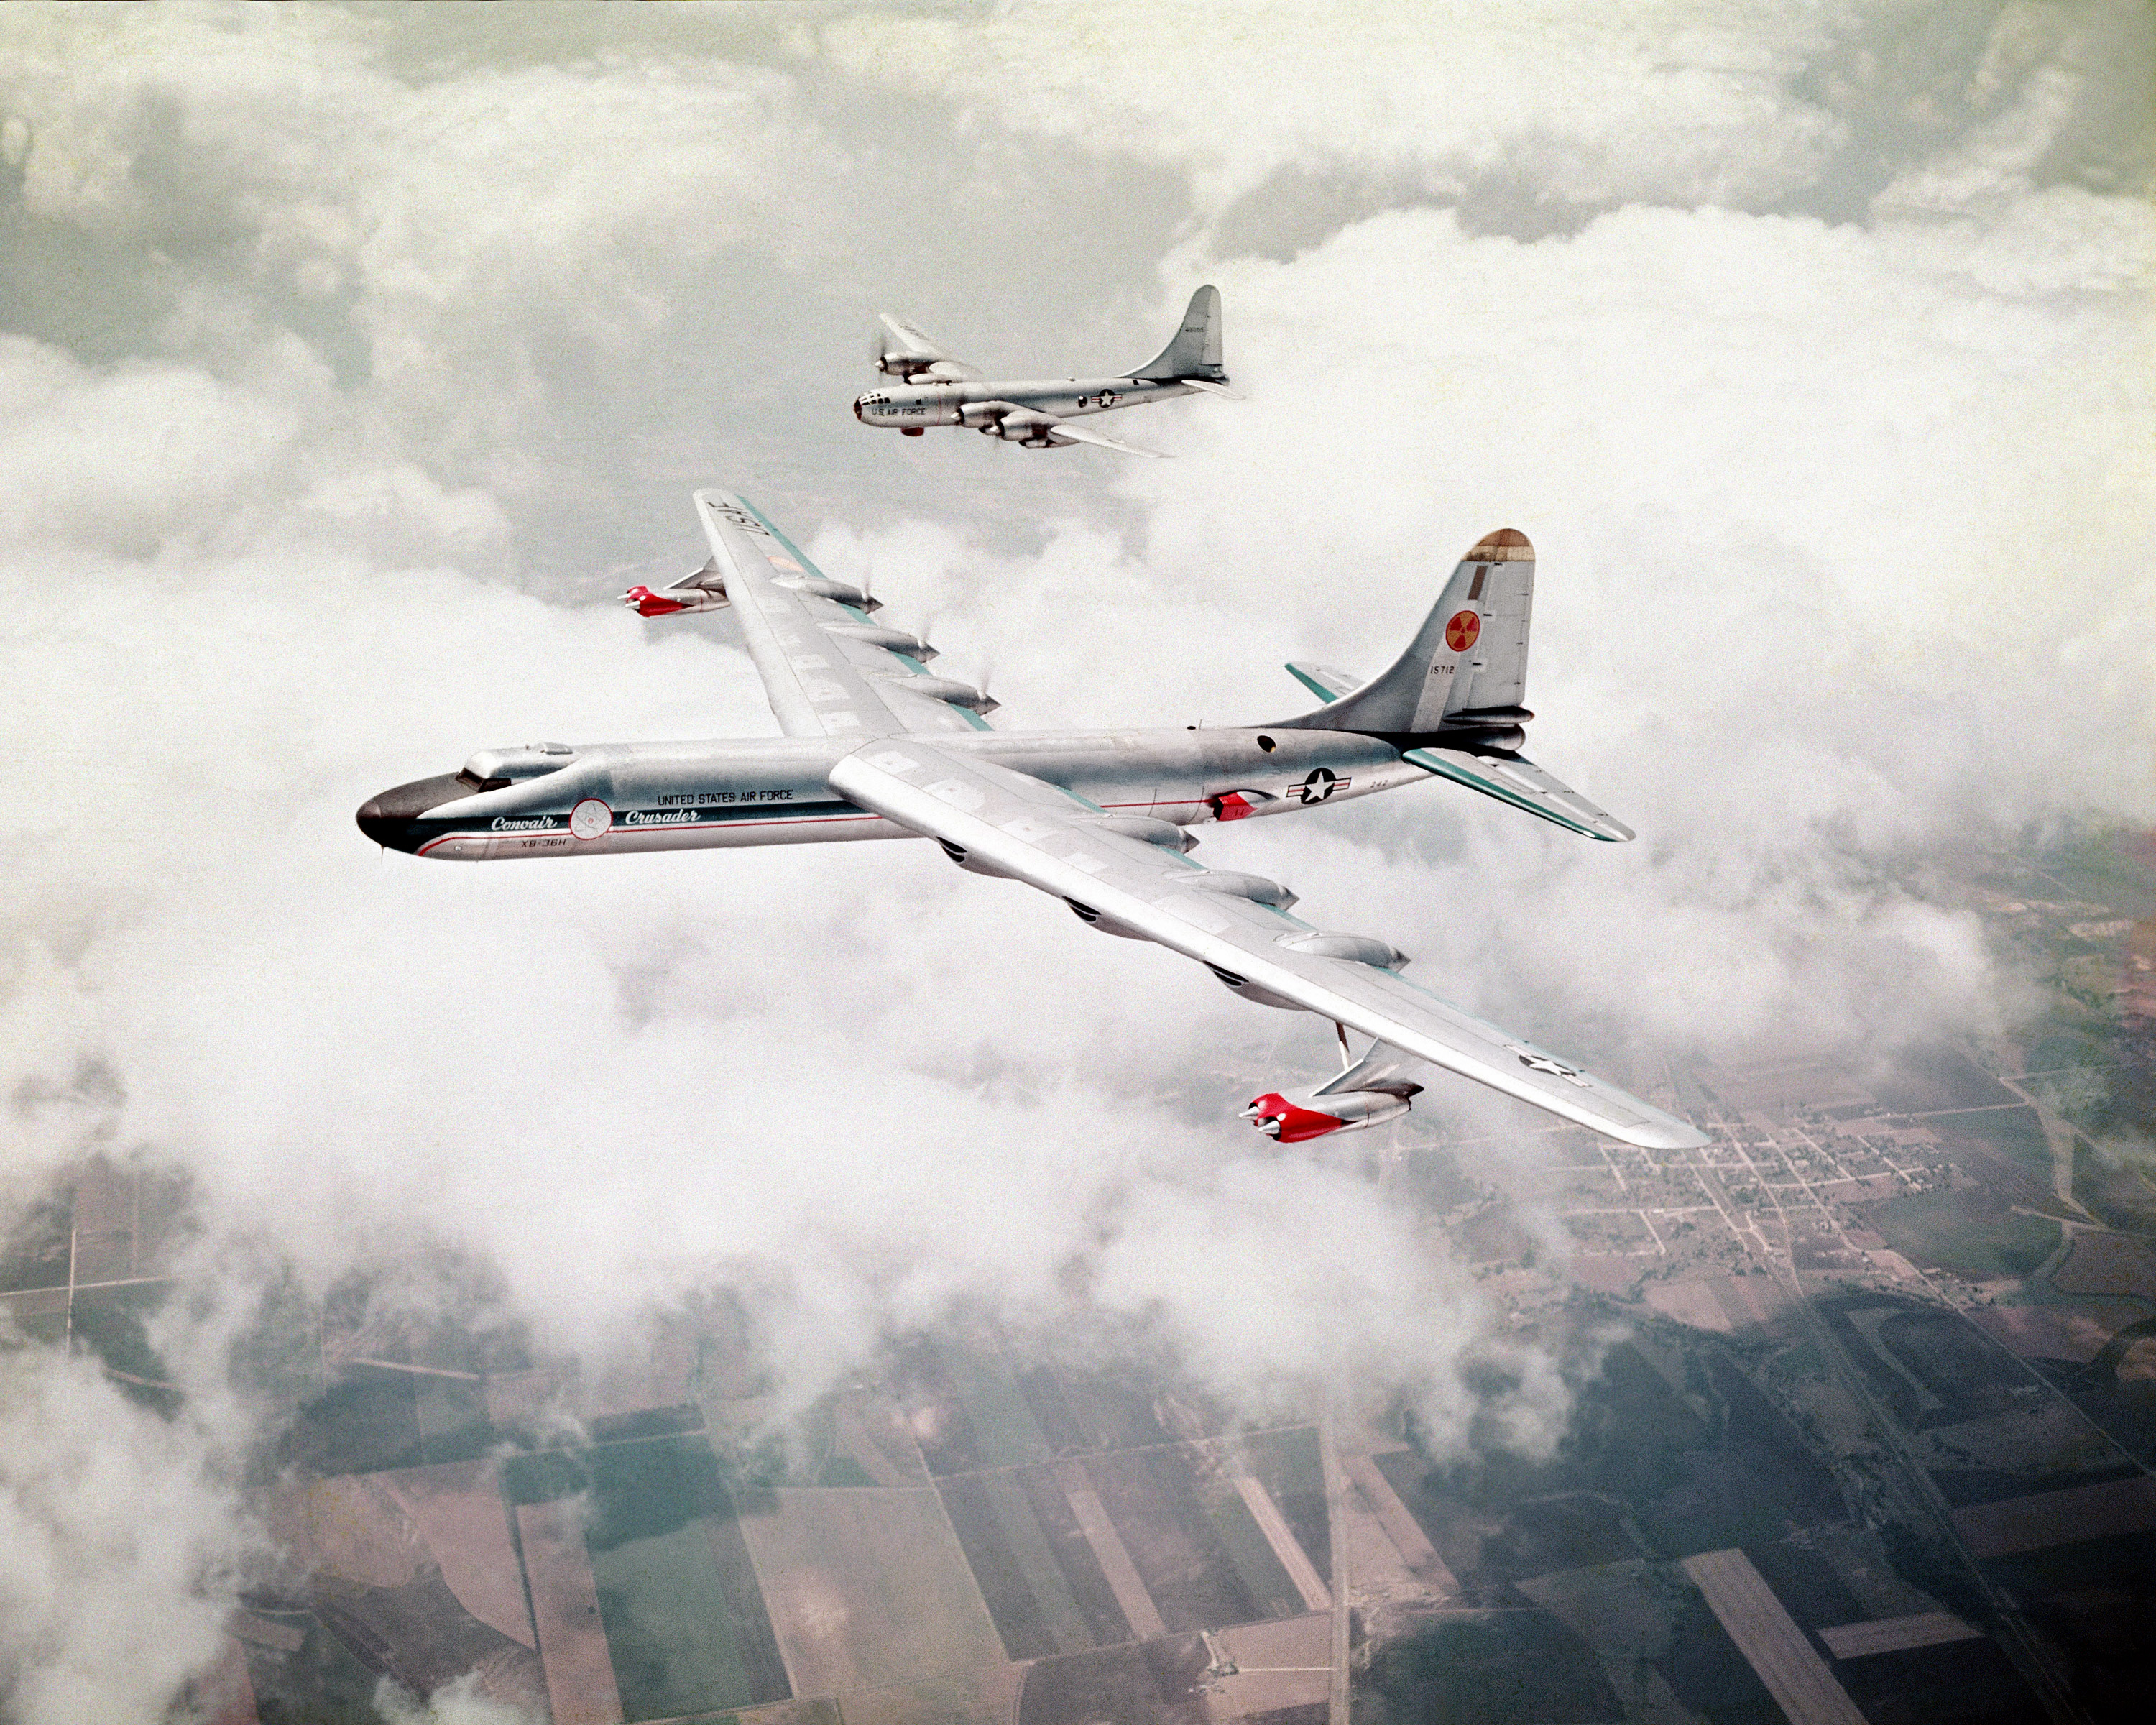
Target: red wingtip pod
column 1280, row 1119
column 647, row 604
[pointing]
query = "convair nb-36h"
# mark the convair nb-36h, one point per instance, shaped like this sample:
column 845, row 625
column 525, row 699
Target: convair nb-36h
column 877, row 746
column 1039, row 413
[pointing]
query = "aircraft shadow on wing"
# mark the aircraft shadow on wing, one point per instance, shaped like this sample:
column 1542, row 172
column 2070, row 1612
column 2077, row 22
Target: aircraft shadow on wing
column 935, row 389
column 876, row 745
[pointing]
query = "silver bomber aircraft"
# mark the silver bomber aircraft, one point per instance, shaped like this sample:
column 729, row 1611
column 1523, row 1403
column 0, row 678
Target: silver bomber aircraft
column 939, row 390
column 877, row 746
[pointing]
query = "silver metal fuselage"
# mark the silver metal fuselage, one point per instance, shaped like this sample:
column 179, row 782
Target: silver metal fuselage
column 910, row 407
column 609, row 798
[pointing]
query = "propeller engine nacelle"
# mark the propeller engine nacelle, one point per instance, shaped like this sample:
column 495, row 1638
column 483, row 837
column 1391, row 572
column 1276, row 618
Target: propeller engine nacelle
column 845, row 593
column 892, row 640
column 1033, row 430
column 1301, row 1115
column 1013, row 424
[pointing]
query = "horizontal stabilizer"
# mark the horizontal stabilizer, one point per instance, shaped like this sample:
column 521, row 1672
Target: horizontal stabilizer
column 1324, row 681
column 1524, row 785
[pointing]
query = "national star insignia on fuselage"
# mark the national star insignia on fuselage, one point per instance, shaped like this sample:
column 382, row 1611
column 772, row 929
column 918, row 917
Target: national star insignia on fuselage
column 877, row 746
column 935, row 389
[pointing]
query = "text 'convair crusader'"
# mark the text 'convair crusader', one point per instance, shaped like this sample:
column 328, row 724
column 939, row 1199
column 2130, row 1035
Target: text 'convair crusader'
column 1037, row 413
column 875, row 747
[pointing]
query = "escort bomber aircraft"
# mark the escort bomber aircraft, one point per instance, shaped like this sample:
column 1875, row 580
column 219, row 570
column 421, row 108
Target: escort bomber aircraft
column 939, row 390
column 877, row 746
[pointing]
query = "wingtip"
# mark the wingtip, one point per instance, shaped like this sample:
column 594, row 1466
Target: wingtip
column 1507, row 545
column 1675, row 1135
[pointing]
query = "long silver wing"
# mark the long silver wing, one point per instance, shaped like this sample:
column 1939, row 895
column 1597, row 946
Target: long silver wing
column 829, row 667
column 1111, row 872
column 1069, row 431
column 920, row 357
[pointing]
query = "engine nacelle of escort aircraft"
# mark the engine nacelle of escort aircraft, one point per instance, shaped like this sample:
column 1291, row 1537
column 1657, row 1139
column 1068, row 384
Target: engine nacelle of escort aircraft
column 1011, row 422
column 1024, row 425
column 1301, row 1115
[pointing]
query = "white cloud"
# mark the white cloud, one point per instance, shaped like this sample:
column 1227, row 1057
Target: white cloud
column 1589, row 105
column 118, row 1542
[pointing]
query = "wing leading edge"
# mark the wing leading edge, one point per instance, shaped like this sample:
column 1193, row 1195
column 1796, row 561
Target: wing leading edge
column 1119, row 874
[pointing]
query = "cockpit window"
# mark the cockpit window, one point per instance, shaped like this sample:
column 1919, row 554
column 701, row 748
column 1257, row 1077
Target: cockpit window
column 490, row 769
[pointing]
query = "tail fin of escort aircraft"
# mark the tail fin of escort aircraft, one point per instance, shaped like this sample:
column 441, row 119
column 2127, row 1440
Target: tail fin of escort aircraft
column 1194, row 355
column 1456, row 694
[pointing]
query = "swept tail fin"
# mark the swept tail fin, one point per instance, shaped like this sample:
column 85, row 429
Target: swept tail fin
column 1195, row 352
column 1466, row 669
column 1453, row 700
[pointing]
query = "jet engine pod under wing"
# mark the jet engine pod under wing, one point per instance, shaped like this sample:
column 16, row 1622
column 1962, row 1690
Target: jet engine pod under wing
column 1056, row 841
column 703, row 589
column 1369, row 1093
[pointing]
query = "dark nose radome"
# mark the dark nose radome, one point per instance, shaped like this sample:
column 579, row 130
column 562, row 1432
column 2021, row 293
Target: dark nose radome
column 378, row 826
column 857, row 409
column 388, row 817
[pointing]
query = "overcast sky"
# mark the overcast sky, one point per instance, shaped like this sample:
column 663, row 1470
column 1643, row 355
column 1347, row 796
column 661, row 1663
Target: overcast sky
column 351, row 359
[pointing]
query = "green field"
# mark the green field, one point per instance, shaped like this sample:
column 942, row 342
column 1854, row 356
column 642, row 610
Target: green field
column 1938, row 1229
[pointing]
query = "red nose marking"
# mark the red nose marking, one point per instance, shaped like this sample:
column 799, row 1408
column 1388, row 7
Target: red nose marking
column 647, row 603
column 1293, row 1125
column 1460, row 632
column 1233, row 806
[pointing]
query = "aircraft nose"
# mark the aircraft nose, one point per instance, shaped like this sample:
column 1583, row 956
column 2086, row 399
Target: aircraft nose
column 858, row 414
column 390, row 818
column 381, row 828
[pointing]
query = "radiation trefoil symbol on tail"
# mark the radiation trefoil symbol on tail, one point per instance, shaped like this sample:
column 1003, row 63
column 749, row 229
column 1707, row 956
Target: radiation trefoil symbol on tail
column 1461, row 630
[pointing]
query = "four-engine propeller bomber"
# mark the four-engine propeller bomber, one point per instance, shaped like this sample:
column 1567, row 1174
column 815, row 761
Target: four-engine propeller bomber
column 876, row 747
column 939, row 390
